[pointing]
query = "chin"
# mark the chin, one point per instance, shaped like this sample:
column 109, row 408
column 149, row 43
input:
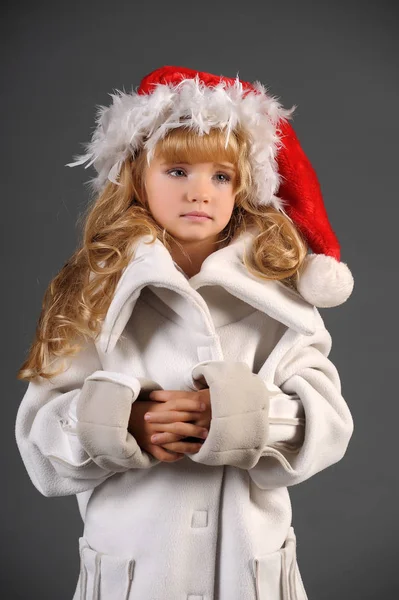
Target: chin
column 188, row 236
column 197, row 232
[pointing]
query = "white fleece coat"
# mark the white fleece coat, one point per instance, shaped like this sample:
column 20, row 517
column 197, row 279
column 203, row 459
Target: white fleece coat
column 215, row 525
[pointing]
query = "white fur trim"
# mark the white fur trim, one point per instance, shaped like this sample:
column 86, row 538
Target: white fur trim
column 325, row 282
column 122, row 127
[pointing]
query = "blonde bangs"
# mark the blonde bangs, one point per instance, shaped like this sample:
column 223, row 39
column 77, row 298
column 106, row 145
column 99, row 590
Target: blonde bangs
column 183, row 144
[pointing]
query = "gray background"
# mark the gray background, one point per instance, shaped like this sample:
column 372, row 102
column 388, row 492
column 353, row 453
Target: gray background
column 339, row 64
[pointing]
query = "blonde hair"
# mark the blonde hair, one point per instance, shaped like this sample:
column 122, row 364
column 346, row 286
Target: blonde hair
column 77, row 299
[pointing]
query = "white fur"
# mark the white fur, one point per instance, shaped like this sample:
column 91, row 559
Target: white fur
column 122, row 127
column 325, row 282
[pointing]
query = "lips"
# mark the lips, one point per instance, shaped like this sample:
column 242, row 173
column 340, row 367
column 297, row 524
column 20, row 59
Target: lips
column 196, row 214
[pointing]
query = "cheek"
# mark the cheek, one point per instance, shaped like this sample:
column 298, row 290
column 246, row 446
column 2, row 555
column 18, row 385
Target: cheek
column 159, row 210
column 161, row 190
column 162, row 200
column 228, row 204
column 154, row 192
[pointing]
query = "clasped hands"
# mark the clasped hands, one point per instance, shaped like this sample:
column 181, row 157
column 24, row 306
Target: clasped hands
column 172, row 416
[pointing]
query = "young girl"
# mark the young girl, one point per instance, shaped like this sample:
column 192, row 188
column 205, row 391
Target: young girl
column 208, row 326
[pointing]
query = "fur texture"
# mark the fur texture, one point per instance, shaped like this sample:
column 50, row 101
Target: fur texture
column 134, row 120
column 325, row 282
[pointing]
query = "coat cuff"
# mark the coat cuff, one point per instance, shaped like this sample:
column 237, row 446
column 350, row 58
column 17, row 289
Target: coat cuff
column 240, row 403
column 115, row 377
column 102, row 412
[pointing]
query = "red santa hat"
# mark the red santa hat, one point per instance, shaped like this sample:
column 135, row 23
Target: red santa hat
column 172, row 97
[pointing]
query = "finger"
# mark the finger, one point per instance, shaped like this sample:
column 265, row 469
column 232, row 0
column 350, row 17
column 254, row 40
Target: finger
column 184, row 429
column 165, row 455
column 161, row 438
column 179, row 400
column 187, row 404
column 185, row 447
column 181, row 404
column 170, row 416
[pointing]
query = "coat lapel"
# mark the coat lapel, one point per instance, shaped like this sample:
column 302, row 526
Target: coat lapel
column 226, row 268
column 153, row 265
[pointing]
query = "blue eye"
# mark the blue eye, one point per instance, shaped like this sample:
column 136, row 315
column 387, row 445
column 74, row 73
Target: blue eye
column 173, row 170
column 227, row 178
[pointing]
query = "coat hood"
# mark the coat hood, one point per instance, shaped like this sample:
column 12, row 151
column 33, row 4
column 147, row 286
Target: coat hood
column 152, row 264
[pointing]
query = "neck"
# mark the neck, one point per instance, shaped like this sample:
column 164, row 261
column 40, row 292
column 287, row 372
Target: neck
column 191, row 255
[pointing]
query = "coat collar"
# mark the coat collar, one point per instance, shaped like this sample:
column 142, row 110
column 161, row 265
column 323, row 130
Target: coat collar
column 153, row 265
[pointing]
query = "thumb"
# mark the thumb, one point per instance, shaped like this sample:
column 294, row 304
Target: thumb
column 154, row 396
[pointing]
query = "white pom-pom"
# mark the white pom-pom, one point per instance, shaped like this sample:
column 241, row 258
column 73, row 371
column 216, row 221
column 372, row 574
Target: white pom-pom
column 324, row 282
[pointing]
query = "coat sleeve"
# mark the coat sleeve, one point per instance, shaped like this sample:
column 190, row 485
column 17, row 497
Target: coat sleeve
column 71, row 431
column 283, row 424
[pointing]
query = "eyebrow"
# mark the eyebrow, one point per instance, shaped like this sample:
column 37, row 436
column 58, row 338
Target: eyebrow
column 223, row 165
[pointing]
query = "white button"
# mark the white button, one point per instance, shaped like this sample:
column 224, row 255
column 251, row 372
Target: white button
column 204, row 353
column 199, row 518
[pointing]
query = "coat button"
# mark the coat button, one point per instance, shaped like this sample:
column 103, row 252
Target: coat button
column 199, row 518
column 204, row 353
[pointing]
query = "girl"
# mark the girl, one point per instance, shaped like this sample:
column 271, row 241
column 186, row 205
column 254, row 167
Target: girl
column 206, row 324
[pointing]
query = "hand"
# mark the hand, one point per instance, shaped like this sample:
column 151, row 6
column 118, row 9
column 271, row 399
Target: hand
column 169, row 417
column 142, row 430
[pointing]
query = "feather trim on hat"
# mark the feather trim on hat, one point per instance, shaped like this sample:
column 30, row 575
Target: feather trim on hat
column 135, row 120
column 172, row 97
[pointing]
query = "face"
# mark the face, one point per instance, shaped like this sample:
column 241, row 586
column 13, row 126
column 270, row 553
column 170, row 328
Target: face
column 175, row 189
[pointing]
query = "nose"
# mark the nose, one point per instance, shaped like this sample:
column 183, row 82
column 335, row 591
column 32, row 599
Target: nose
column 199, row 191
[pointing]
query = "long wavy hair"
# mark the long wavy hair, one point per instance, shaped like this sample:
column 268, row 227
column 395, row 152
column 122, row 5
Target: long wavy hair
column 77, row 299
